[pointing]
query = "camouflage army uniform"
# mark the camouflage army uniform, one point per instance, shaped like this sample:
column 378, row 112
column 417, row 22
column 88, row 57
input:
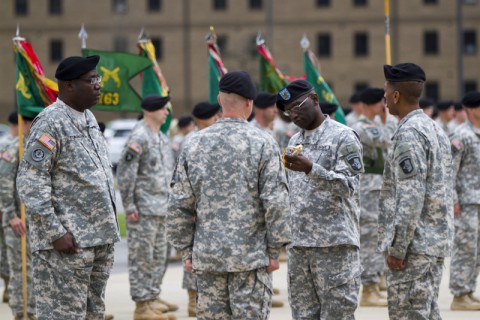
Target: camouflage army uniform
column 231, row 178
column 65, row 181
column 465, row 263
column 4, row 269
column 144, row 173
column 416, row 215
column 267, row 130
column 11, row 208
column 323, row 258
column 375, row 139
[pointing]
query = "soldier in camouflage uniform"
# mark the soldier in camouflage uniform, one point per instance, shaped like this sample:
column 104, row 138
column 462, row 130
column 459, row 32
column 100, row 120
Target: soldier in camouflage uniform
column 65, row 181
column 323, row 259
column 144, row 173
column 465, row 263
column 416, row 207
column 375, row 138
column 14, row 228
column 228, row 209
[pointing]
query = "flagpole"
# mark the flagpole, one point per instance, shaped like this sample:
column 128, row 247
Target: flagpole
column 22, row 206
column 387, row 33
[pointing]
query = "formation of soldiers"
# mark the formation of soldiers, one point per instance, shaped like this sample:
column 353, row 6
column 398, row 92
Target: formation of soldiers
column 377, row 204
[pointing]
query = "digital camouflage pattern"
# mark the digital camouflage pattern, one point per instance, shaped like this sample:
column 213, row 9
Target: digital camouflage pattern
column 413, row 291
column 416, row 213
column 4, row 271
column 376, row 139
column 145, row 170
column 234, row 295
column 267, row 130
column 323, row 282
column 230, row 177
column 10, row 204
column 325, row 214
column 465, row 263
column 65, row 180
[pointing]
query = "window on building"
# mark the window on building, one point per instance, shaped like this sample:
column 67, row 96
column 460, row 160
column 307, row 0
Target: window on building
column 470, row 85
column 55, row 7
column 324, row 45
column 359, row 86
column 252, row 46
column 120, row 6
column 470, row 42
column 56, row 50
column 154, row 5
column 222, row 43
column 428, row 2
column 430, row 42
column 360, row 3
column 361, row 44
column 219, row 4
column 323, row 3
column 432, row 90
column 256, row 4
column 158, row 44
column 120, row 44
column 21, row 7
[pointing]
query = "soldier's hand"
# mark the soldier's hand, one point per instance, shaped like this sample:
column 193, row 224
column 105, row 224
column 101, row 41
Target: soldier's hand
column 66, row 244
column 132, row 216
column 298, row 163
column 395, row 263
column 18, row 226
column 273, row 265
column 188, row 266
column 457, row 210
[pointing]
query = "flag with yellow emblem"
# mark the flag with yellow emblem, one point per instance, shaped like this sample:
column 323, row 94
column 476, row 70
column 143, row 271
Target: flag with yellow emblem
column 34, row 90
column 216, row 68
column 116, row 70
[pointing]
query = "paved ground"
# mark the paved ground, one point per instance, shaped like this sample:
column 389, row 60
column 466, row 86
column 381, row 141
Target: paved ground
column 119, row 303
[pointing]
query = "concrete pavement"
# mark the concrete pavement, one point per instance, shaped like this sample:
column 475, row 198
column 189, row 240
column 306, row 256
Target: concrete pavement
column 118, row 299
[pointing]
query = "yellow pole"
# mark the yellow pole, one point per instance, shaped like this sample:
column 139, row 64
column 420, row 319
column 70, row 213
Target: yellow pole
column 387, row 32
column 22, row 217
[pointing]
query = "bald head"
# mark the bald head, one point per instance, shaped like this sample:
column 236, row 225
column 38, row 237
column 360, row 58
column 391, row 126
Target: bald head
column 235, row 105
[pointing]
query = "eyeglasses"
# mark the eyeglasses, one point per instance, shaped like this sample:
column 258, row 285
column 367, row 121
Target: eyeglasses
column 93, row 81
column 296, row 108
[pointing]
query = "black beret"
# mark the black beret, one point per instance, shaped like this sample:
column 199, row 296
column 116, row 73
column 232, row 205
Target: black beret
column 471, row 100
column 154, row 102
column 458, row 105
column 328, row 108
column 184, row 121
column 291, row 92
column 404, row 72
column 444, row 105
column 372, row 95
column 265, row 100
column 13, row 118
column 238, row 82
column 205, row 110
column 355, row 98
column 72, row 68
column 426, row 102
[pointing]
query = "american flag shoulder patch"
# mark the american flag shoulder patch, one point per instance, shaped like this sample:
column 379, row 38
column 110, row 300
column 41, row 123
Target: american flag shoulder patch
column 135, row 147
column 47, row 141
column 6, row 156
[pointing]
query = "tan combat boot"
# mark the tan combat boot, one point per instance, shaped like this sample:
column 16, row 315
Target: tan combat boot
column 380, row 293
column 464, row 302
column 109, row 317
column 5, row 296
column 473, row 297
column 170, row 306
column 371, row 296
column 158, row 306
column 144, row 311
column 192, row 303
column 276, row 291
column 383, row 283
column 277, row 303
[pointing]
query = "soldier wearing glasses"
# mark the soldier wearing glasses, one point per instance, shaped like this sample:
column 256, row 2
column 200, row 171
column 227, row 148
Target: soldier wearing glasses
column 324, row 262
column 65, row 180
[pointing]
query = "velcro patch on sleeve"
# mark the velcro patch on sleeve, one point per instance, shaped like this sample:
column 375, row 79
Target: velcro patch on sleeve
column 7, row 156
column 135, row 147
column 47, row 141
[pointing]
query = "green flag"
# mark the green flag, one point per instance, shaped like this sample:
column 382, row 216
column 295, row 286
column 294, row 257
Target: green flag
column 272, row 79
column 325, row 94
column 216, row 69
column 116, row 69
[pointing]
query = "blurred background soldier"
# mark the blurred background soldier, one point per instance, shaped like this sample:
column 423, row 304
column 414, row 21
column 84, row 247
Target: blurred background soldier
column 144, row 174
column 264, row 110
column 329, row 109
column 428, row 106
column 323, row 185
column 205, row 114
column 228, row 209
column 465, row 264
column 416, row 207
column 65, row 181
column 375, row 138
column 356, row 109
column 445, row 114
column 459, row 118
column 14, row 228
column 185, row 126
